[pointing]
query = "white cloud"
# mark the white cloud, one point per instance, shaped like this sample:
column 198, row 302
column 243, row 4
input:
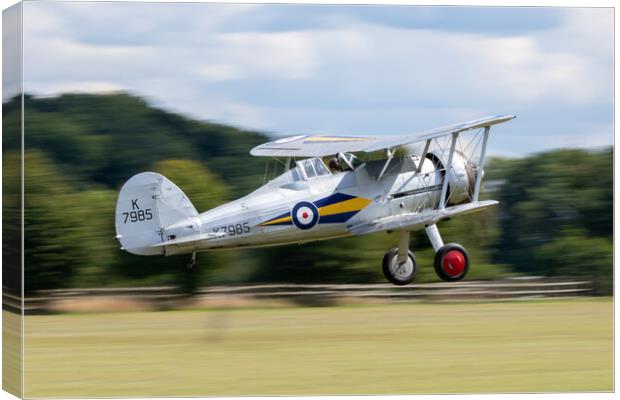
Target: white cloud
column 365, row 59
column 356, row 78
column 51, row 89
column 586, row 30
column 44, row 21
column 284, row 55
column 454, row 66
column 248, row 115
column 11, row 53
column 218, row 72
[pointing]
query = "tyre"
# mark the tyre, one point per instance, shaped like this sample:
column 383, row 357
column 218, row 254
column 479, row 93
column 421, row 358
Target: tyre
column 189, row 266
column 451, row 262
column 399, row 274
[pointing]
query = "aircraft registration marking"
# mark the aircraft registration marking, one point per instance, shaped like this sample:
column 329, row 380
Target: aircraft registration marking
column 234, row 229
column 136, row 214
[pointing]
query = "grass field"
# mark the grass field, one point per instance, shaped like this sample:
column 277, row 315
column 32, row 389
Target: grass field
column 11, row 353
column 559, row 345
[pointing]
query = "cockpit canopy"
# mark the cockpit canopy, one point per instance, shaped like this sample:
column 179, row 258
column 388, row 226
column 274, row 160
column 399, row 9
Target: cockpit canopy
column 306, row 169
column 311, row 168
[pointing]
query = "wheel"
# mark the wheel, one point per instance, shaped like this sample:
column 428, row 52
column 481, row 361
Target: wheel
column 399, row 274
column 451, row 262
column 189, row 266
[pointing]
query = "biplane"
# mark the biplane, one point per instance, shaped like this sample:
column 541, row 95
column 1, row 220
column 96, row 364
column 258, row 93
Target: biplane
column 394, row 184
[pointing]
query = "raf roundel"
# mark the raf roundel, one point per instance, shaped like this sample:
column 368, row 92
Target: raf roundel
column 305, row 215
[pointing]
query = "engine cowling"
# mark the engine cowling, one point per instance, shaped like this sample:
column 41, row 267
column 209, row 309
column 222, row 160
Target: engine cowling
column 461, row 177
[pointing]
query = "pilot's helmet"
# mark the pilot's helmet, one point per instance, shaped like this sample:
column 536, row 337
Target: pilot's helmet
column 334, row 164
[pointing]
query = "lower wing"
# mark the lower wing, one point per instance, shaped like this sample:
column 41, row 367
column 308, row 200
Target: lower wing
column 411, row 221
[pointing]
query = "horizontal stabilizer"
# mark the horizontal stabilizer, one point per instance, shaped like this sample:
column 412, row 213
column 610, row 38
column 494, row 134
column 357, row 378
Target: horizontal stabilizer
column 413, row 221
column 184, row 241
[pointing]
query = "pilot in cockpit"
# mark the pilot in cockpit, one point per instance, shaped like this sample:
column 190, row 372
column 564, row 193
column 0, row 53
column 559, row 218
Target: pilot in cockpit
column 334, row 165
column 344, row 162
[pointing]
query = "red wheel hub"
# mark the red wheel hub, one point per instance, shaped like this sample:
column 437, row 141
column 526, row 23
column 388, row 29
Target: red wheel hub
column 454, row 263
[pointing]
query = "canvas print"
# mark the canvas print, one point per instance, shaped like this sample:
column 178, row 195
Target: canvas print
column 228, row 199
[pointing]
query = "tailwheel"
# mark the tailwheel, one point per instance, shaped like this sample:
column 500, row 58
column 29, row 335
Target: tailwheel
column 451, row 262
column 189, row 266
column 191, row 263
column 399, row 273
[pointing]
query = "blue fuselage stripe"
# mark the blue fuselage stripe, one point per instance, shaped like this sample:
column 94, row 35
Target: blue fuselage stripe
column 337, row 218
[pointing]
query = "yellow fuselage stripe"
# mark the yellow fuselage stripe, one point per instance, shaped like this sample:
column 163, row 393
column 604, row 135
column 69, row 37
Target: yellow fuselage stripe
column 278, row 221
column 355, row 204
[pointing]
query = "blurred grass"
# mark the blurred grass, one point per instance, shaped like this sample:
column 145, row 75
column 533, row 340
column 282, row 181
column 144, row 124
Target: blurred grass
column 543, row 346
column 11, row 353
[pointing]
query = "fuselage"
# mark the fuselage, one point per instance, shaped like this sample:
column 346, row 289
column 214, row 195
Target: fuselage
column 308, row 202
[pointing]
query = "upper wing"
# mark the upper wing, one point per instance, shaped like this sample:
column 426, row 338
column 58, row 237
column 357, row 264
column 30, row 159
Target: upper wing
column 320, row 146
column 313, row 146
column 435, row 133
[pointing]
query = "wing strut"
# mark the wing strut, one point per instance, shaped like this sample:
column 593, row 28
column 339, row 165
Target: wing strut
column 448, row 168
column 423, row 156
column 483, row 152
column 390, row 155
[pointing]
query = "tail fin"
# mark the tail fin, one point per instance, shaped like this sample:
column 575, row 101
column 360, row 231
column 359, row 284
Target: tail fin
column 146, row 205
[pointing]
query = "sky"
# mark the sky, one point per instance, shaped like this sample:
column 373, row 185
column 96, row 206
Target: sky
column 349, row 70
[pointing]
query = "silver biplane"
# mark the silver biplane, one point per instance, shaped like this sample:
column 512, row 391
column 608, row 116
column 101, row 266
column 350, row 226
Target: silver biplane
column 402, row 192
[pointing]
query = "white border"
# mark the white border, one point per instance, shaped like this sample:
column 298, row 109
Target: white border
column 526, row 3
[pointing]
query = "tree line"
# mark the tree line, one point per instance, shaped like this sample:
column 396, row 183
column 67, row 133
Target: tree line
column 555, row 216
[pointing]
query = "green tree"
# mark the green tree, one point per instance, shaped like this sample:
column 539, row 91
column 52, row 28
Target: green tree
column 204, row 189
column 92, row 211
column 108, row 138
column 551, row 198
column 574, row 254
column 52, row 244
column 11, row 221
column 80, row 149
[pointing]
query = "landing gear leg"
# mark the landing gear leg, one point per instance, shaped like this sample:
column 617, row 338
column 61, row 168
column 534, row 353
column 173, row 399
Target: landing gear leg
column 403, row 246
column 191, row 263
column 433, row 235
